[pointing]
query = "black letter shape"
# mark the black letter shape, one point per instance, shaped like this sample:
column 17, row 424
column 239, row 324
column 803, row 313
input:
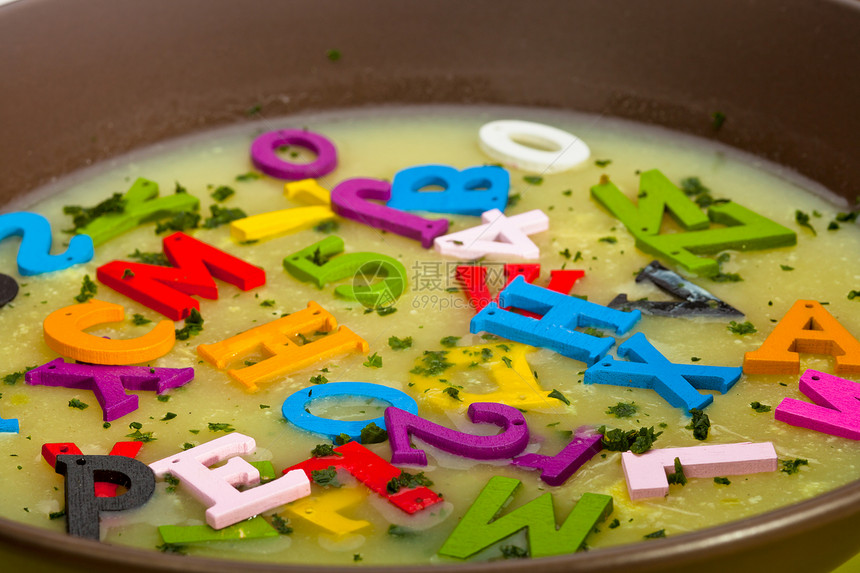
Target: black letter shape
column 82, row 505
column 696, row 300
column 8, row 289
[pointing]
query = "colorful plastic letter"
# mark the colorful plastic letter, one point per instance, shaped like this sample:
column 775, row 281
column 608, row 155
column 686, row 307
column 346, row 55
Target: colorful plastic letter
column 378, row 280
column 499, row 235
column 656, row 195
column 743, row 229
column 473, row 279
column 64, row 333
column 291, row 220
column 296, row 412
column 480, row 528
column 555, row 470
column 512, row 440
column 256, row 528
column 323, row 510
column 109, row 383
column 560, row 314
column 646, row 473
column 532, row 146
column 836, row 407
column 82, row 505
column 696, row 300
column 34, row 256
column 351, row 199
column 265, row 157
column 374, row 472
column 807, row 327
column 285, row 355
column 8, row 289
column 676, row 383
column 102, row 488
column 141, row 205
column 167, row 289
column 9, row 426
column 216, row 488
column 508, row 369
column 468, row 192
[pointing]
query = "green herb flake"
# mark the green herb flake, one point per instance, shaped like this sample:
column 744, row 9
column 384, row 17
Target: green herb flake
column 514, row 199
column 88, row 290
column 718, row 118
column 322, row 450
column 558, row 396
column 853, row 294
column 220, row 427
column 249, row 176
column 139, row 320
column 399, row 343
column 434, row 363
column 341, row 439
column 373, row 361
column 281, row 525
column 139, row 436
column 760, row 408
column 193, row 326
column 722, row 481
column 802, row 219
column 513, row 552
column 83, row 216
column 75, row 403
column 611, row 240
column 678, row 476
column 268, row 303
column 741, row 328
column 182, row 221
column 57, row 514
column 453, row 393
column 373, row 434
column 329, row 226
column 106, row 425
column 508, row 362
column 319, row 379
column 533, row 179
column 174, row 548
column 793, row 466
column 401, row 531
column 449, row 341
column 385, row 310
column 222, row 193
column 333, row 55
column 221, row 216
column 700, row 424
column 325, row 478
column 655, row 534
column 786, row 268
column 623, row 409
column 602, row 162
column 638, row 441
column 158, row 259
column 407, row 480
column 168, row 416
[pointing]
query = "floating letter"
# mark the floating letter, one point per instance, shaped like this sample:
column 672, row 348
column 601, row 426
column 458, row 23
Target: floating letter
column 836, row 410
column 468, row 192
column 34, row 256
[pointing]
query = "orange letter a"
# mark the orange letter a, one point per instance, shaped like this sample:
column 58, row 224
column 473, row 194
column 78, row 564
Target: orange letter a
column 807, row 327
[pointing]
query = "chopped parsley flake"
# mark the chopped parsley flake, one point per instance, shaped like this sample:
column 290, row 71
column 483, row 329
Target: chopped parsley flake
column 558, row 396
column 175, row 548
column 602, row 162
column 678, row 477
column 786, row 268
column 158, row 259
column 434, row 363
column 399, row 343
column 722, row 481
column 75, row 403
column 249, row 176
column 222, row 216
column 222, row 193
column 139, row 320
column 623, row 409
column 322, row 450
column 326, row 477
column 181, row 221
column 793, row 466
column 139, row 436
column 513, row 552
column 638, row 441
column 453, row 393
column 611, row 240
column 281, row 525
column 88, row 290
column 193, row 326
column 741, row 328
column 57, row 514
column 656, row 534
column 853, row 294
column 168, row 416
column 373, row 361
column 514, row 199
column 400, row 531
column 333, row 55
column 700, row 424
column 373, row 434
column 268, row 303
column 533, row 179
column 219, row 427
column 718, row 118
column 407, row 480
column 802, row 219
column 507, row 361
column 327, row 226
column 83, row 216
column 449, row 341
column 615, row 523
column 759, row 407
column 318, row 379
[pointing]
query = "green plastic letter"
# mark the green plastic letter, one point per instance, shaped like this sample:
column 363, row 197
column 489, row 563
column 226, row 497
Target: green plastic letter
column 478, row 529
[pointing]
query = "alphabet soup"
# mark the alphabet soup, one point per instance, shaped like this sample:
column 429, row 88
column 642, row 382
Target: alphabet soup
column 355, row 341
